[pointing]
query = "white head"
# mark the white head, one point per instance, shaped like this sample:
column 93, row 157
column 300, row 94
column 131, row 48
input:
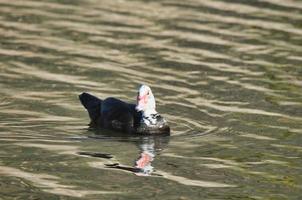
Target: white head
column 145, row 100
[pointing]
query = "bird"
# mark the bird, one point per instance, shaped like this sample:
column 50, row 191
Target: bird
column 115, row 114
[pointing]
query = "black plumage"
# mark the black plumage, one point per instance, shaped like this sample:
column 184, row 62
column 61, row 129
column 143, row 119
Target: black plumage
column 115, row 114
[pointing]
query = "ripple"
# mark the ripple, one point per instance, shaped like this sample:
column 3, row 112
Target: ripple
column 33, row 71
column 186, row 181
column 50, row 183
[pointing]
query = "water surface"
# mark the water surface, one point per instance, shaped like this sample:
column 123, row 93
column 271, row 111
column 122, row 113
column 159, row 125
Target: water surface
column 227, row 75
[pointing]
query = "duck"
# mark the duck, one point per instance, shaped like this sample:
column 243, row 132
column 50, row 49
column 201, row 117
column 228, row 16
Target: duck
column 112, row 113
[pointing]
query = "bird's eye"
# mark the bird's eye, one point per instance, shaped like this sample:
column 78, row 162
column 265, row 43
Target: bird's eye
column 148, row 93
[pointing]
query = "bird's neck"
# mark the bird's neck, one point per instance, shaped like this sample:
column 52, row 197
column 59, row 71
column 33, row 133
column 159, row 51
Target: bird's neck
column 149, row 112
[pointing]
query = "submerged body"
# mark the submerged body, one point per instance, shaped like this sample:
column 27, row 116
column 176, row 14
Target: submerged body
column 112, row 113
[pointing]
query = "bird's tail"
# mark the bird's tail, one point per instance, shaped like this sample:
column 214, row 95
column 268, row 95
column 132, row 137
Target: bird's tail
column 93, row 106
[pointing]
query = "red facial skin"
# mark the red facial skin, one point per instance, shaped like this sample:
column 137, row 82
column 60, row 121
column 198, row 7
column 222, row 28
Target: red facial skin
column 142, row 100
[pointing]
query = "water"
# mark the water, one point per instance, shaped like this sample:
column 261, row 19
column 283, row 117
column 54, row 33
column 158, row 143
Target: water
column 227, row 75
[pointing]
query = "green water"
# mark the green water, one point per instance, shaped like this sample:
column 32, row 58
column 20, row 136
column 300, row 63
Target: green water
column 227, row 76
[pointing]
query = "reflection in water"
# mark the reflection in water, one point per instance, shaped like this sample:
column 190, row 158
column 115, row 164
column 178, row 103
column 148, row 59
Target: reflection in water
column 147, row 155
column 149, row 147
